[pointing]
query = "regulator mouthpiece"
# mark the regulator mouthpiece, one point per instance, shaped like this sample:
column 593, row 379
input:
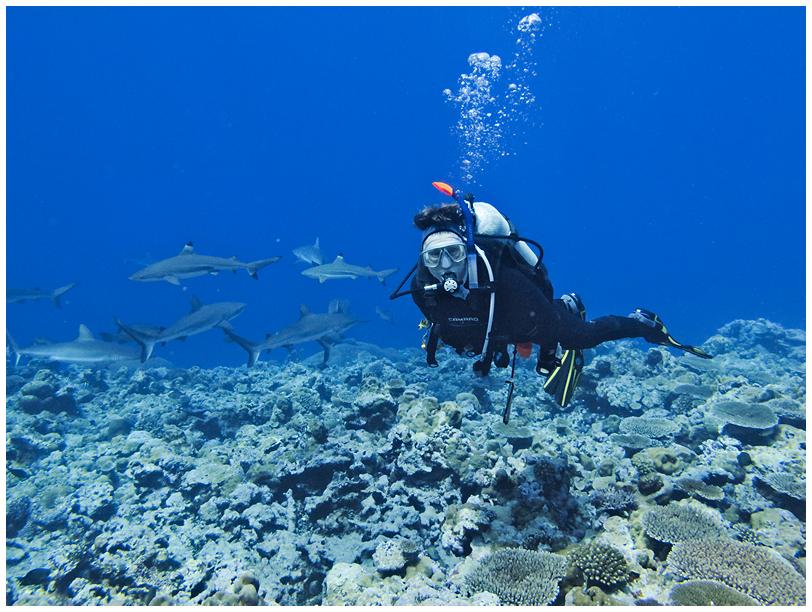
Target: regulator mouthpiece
column 450, row 283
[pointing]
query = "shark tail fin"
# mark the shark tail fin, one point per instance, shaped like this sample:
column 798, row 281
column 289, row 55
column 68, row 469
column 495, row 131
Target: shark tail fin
column 252, row 349
column 384, row 273
column 58, row 293
column 147, row 341
column 15, row 351
column 256, row 266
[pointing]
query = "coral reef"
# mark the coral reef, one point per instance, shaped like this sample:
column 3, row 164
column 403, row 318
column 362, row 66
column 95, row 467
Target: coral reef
column 650, row 427
column 697, row 488
column 708, row 593
column 601, row 564
column 376, row 481
column 680, row 522
column 392, row 556
column 753, row 570
column 615, row 499
column 744, row 415
column 786, row 484
column 519, row 577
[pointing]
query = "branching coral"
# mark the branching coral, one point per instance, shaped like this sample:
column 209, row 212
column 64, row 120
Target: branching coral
column 697, row 488
column 754, row 570
column 677, row 523
column 708, row 593
column 519, row 577
column 750, row 416
column 601, row 564
column 650, row 427
column 786, row 484
column 632, row 441
column 614, row 500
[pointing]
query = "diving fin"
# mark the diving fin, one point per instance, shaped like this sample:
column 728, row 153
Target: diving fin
column 660, row 333
column 563, row 380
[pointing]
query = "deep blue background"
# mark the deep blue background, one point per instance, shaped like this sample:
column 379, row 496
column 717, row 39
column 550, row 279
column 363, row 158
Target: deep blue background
column 665, row 168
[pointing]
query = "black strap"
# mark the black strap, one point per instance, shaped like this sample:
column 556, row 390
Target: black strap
column 431, row 345
column 515, row 238
column 511, row 386
column 397, row 292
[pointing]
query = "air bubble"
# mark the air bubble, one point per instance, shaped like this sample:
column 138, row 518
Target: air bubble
column 531, row 23
column 493, row 101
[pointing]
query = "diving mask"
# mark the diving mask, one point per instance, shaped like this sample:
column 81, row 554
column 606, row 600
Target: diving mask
column 444, row 254
column 455, row 252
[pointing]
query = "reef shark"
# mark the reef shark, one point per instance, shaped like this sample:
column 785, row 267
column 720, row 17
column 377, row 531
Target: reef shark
column 188, row 264
column 310, row 253
column 384, row 315
column 324, row 328
column 122, row 336
column 16, row 296
column 200, row 319
column 340, row 269
column 85, row 349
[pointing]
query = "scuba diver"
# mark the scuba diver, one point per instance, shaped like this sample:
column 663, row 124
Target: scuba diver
column 481, row 288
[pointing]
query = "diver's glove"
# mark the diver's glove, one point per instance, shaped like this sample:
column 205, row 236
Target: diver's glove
column 659, row 333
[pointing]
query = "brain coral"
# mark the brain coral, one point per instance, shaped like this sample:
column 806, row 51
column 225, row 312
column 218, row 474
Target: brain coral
column 750, row 416
column 708, row 593
column 676, row 523
column 519, row 577
column 651, row 427
column 756, row 571
column 601, row 564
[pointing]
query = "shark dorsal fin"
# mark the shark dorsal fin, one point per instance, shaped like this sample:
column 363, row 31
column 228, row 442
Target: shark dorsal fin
column 303, row 311
column 187, row 249
column 84, row 333
column 316, row 244
column 337, row 306
column 339, row 258
column 196, row 303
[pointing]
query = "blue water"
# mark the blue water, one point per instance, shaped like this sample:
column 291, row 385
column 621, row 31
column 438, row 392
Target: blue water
column 663, row 165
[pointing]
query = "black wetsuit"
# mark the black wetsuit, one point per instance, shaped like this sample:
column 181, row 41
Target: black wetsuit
column 524, row 311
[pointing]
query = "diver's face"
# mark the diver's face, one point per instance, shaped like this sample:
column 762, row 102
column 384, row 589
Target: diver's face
column 446, row 259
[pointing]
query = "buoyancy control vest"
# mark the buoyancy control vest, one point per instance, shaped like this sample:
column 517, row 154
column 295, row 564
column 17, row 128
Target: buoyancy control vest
column 463, row 323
